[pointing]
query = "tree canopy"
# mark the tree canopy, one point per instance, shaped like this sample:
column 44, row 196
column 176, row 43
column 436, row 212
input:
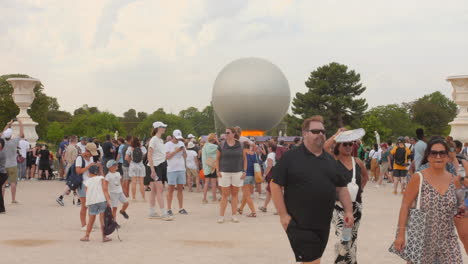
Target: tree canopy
column 333, row 92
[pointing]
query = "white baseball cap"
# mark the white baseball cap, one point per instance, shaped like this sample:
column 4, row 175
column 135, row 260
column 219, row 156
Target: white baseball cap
column 177, row 134
column 190, row 136
column 159, row 124
column 8, row 133
column 190, row 145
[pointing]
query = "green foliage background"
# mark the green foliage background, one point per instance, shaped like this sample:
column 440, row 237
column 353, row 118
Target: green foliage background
column 334, row 91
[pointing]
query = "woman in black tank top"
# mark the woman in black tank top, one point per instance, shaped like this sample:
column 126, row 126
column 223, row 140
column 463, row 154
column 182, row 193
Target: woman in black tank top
column 346, row 251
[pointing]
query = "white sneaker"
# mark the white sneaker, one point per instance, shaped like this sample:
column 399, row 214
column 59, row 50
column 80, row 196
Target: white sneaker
column 220, row 219
column 154, row 216
column 234, row 219
column 84, row 228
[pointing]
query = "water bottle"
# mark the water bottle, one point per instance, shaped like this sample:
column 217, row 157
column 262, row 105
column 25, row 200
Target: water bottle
column 347, row 234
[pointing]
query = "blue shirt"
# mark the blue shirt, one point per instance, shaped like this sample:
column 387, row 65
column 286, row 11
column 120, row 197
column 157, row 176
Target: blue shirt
column 121, row 159
column 251, row 159
column 63, row 145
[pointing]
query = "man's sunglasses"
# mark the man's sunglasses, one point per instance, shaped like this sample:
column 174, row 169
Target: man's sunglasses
column 441, row 154
column 228, row 132
column 347, row 144
column 316, row 131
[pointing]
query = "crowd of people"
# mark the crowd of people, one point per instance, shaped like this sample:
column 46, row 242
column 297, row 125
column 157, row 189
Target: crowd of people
column 315, row 183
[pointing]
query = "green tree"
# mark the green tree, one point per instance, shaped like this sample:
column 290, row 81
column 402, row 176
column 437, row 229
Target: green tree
column 95, row 125
column 202, row 122
column 332, row 93
column 55, row 132
column 434, row 111
column 59, row 116
column 144, row 129
column 372, row 123
column 130, row 120
column 395, row 118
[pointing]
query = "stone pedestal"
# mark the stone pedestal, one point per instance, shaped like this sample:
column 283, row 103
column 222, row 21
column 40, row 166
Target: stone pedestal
column 460, row 97
column 23, row 96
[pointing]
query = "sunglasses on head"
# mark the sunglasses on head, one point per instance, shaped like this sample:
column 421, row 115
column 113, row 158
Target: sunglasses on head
column 347, row 144
column 441, row 154
column 316, row 131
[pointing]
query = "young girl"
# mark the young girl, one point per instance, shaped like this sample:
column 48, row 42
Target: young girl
column 97, row 199
column 115, row 189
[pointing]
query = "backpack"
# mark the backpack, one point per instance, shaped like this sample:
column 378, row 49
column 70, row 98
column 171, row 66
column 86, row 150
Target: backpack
column 137, row 155
column 110, row 225
column 400, row 157
column 75, row 180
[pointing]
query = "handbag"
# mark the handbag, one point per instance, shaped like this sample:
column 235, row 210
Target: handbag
column 258, row 171
column 415, row 232
column 353, row 188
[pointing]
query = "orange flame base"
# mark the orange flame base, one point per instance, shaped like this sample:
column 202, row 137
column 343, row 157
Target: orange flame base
column 252, row 133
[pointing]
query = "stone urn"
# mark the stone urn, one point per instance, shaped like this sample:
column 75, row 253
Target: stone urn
column 460, row 97
column 23, row 96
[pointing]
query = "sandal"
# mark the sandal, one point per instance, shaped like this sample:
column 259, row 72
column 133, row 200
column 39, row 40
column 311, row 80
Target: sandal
column 252, row 215
column 240, row 211
column 84, row 239
column 106, row 239
column 263, row 209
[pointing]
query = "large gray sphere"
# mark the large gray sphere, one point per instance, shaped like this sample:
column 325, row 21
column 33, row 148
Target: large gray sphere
column 251, row 93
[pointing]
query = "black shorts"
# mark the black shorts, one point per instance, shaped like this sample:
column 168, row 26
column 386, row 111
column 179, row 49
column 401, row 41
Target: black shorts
column 400, row 173
column 308, row 244
column 161, row 172
column 212, row 175
column 120, row 170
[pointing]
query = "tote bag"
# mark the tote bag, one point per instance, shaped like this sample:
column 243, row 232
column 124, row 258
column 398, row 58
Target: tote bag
column 258, row 172
column 353, row 188
column 415, row 232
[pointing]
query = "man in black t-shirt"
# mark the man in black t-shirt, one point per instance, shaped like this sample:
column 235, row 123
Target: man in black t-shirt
column 311, row 184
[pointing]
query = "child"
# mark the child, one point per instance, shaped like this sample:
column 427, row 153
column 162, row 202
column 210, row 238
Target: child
column 97, row 199
column 115, row 189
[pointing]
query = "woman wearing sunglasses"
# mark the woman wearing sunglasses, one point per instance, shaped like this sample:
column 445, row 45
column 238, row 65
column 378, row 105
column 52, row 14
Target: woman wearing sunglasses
column 231, row 165
column 439, row 202
column 346, row 251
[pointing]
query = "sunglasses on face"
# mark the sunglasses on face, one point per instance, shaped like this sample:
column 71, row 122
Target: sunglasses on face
column 228, row 132
column 347, row 144
column 441, row 154
column 316, row 131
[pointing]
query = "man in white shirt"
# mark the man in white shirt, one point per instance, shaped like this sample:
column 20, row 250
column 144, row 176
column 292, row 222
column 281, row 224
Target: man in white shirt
column 23, row 146
column 82, row 145
column 176, row 155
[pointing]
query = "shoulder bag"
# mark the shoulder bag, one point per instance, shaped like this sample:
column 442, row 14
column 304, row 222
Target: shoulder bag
column 415, row 232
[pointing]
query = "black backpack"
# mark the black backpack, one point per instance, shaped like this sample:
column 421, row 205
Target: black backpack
column 110, row 225
column 74, row 180
column 400, row 157
column 137, row 155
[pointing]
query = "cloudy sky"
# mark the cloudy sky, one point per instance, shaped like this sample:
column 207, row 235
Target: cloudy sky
column 147, row 54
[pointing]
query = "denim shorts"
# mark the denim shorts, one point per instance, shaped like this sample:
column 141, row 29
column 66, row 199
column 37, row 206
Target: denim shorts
column 97, row 208
column 249, row 180
column 81, row 191
column 176, row 177
column 116, row 198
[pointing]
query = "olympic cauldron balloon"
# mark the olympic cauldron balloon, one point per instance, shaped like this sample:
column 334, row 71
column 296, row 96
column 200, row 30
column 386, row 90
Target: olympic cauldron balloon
column 251, row 93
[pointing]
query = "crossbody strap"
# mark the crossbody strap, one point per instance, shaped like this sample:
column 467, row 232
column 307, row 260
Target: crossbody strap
column 418, row 203
column 354, row 170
